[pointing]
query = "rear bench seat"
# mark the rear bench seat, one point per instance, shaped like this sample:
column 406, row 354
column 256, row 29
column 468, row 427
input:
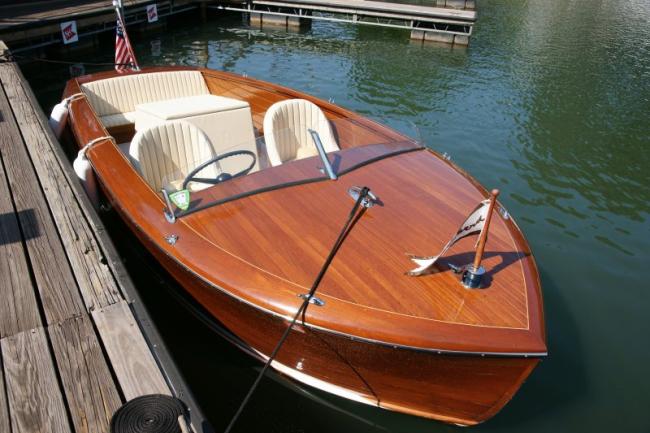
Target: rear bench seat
column 114, row 99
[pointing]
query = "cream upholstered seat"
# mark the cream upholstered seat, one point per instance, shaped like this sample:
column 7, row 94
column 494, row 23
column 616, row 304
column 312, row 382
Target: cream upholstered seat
column 114, row 99
column 166, row 153
column 286, row 131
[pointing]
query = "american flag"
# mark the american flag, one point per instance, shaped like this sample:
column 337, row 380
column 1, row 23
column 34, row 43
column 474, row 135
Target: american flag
column 124, row 55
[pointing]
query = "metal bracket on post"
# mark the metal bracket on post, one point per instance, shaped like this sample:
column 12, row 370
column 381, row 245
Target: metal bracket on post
column 368, row 201
column 312, row 300
column 169, row 210
column 323, row 155
column 472, row 277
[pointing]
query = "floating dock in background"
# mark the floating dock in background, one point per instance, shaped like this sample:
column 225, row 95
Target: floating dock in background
column 450, row 24
column 75, row 342
column 27, row 26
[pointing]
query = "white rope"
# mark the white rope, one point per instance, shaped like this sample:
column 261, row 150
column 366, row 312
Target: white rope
column 95, row 141
column 75, row 96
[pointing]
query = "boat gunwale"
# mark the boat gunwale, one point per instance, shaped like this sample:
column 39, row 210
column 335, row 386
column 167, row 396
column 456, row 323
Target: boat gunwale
column 342, row 112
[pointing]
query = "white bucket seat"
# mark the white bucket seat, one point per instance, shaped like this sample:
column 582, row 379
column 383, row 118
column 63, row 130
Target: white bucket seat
column 164, row 154
column 286, row 131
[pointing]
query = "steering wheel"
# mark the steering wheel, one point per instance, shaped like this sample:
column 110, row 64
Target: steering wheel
column 223, row 176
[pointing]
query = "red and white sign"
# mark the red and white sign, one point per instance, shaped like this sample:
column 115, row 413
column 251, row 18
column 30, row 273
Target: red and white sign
column 152, row 13
column 69, row 32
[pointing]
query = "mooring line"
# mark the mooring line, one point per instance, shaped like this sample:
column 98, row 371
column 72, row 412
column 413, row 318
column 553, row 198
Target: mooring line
column 363, row 194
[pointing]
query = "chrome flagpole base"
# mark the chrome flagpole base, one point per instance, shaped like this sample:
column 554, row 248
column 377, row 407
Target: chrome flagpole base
column 472, row 277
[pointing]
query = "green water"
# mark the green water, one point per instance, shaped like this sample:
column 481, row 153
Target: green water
column 551, row 104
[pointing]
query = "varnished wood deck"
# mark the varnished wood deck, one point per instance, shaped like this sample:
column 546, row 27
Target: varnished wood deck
column 71, row 349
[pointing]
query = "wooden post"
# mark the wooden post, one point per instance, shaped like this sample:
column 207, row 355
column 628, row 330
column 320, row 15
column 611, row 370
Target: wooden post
column 484, row 233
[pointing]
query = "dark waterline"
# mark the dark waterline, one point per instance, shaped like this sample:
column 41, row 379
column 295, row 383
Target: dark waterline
column 551, row 104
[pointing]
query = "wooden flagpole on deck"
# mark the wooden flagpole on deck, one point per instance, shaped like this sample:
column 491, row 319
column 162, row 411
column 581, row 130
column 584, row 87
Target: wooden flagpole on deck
column 484, row 233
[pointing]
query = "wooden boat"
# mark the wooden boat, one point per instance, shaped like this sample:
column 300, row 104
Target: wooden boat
column 249, row 246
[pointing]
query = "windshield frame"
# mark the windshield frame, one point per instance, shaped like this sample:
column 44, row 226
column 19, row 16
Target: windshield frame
column 348, row 160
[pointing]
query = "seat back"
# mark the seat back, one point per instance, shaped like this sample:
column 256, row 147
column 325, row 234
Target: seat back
column 114, row 99
column 286, row 130
column 164, row 154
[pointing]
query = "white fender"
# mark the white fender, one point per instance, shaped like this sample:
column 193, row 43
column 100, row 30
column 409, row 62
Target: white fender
column 84, row 172
column 59, row 115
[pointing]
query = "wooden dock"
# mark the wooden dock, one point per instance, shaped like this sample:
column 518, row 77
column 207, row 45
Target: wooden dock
column 25, row 26
column 72, row 347
column 453, row 23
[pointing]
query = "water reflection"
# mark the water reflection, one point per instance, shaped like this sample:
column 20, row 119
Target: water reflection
column 584, row 130
column 582, row 146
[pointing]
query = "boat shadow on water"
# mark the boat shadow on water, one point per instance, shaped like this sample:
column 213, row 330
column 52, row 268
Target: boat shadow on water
column 560, row 378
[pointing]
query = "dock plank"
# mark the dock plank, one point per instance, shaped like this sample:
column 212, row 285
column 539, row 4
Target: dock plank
column 19, row 308
column 133, row 363
column 97, row 285
column 58, row 289
column 89, row 388
column 21, row 14
column 73, row 374
column 4, row 411
column 33, row 394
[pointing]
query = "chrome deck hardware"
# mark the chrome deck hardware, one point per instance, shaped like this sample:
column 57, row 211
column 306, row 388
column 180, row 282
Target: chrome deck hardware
column 169, row 210
column 472, row 277
column 368, row 201
column 314, row 300
column 327, row 165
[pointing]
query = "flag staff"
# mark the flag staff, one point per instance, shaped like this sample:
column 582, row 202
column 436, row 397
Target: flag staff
column 474, row 273
column 119, row 10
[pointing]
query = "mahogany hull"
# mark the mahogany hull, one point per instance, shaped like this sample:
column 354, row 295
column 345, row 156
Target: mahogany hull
column 454, row 355
column 463, row 389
